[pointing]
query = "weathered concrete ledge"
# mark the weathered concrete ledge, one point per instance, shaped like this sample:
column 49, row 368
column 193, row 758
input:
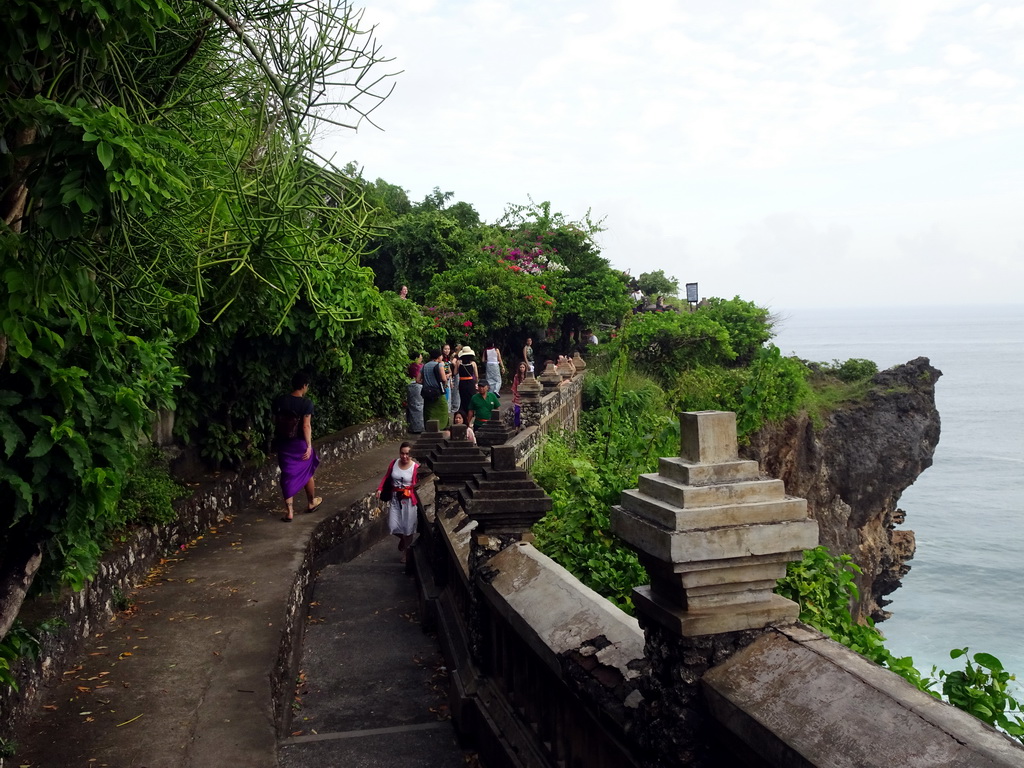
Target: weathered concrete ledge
column 567, row 624
column 798, row 699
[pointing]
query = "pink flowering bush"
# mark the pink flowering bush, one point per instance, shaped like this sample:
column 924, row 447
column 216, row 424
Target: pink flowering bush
column 447, row 326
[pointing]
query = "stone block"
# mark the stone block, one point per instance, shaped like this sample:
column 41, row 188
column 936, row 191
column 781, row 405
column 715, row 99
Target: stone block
column 776, row 610
column 802, row 704
column 690, row 473
column 759, row 570
column 738, row 594
column 708, row 437
column 703, row 544
column 675, row 518
column 689, row 496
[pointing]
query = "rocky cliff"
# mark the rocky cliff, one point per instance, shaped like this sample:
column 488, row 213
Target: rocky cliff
column 853, row 468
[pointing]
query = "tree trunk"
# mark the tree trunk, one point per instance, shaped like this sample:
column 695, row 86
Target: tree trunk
column 13, row 203
column 22, row 558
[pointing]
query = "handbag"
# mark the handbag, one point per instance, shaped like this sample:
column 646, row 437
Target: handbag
column 429, row 391
column 389, row 487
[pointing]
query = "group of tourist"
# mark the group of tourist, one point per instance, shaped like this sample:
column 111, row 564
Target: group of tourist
column 451, row 383
column 437, row 389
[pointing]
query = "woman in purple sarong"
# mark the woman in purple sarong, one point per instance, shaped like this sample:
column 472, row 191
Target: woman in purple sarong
column 293, row 441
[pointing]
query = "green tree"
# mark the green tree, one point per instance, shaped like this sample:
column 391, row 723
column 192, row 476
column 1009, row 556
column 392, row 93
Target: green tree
column 503, row 302
column 587, row 291
column 155, row 168
column 657, row 284
column 419, row 245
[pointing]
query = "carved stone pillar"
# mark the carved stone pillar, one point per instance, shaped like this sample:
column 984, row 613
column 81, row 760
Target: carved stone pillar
column 551, row 378
column 530, row 391
column 714, row 538
column 713, row 535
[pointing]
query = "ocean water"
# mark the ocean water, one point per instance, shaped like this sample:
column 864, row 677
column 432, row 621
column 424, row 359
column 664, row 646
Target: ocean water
column 966, row 583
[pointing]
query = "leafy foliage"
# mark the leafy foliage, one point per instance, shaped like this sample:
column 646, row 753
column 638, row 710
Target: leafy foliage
column 657, row 284
column 150, row 491
column 849, row 371
column 749, row 326
column 776, row 387
column 981, row 688
column 498, row 300
column 665, row 343
column 156, row 178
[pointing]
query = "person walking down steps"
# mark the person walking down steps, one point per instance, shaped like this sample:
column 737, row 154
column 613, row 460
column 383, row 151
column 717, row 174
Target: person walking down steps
column 398, row 489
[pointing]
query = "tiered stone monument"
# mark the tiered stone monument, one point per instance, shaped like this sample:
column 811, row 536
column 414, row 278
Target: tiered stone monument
column 430, row 438
column 713, row 536
column 504, row 499
column 579, row 362
column 551, row 378
column 493, row 431
column 455, row 460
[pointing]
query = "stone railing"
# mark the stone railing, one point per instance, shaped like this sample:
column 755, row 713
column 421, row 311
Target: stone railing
column 545, row 408
column 716, row 672
column 540, row 667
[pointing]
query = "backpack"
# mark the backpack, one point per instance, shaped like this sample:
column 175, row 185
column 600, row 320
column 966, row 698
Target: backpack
column 431, row 392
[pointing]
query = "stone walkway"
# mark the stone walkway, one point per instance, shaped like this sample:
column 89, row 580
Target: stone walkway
column 183, row 678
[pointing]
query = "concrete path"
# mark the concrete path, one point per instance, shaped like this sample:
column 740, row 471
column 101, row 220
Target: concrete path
column 183, row 678
column 372, row 686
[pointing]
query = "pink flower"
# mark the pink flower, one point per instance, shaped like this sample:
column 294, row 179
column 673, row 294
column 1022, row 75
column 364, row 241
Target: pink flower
column 468, row 324
column 543, row 287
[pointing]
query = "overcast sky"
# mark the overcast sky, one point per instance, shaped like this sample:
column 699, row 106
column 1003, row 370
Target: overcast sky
column 798, row 154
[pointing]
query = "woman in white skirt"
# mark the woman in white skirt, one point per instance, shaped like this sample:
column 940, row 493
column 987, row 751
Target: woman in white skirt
column 494, row 367
column 398, row 488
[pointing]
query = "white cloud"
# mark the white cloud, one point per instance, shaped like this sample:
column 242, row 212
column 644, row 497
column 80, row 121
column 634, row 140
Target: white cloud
column 690, row 121
column 957, row 55
column 987, row 78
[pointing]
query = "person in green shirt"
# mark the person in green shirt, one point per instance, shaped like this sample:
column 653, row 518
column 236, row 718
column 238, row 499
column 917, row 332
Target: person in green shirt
column 483, row 403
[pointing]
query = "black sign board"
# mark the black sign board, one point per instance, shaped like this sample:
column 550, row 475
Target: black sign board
column 691, row 293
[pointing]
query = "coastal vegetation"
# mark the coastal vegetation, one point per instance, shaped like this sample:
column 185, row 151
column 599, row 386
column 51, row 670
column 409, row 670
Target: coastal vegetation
column 629, row 422
column 171, row 241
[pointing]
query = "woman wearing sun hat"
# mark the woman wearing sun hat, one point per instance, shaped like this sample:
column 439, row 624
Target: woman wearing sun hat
column 468, row 375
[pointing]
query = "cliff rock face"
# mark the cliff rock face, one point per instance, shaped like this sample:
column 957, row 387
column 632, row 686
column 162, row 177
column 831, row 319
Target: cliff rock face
column 854, row 468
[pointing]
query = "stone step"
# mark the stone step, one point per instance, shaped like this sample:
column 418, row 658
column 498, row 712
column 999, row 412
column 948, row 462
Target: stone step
column 687, row 496
column 509, row 485
column 676, row 518
column 499, row 495
column 690, row 473
column 491, row 473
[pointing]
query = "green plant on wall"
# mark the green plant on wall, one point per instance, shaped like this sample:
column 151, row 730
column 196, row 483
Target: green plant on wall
column 982, row 689
column 823, row 586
